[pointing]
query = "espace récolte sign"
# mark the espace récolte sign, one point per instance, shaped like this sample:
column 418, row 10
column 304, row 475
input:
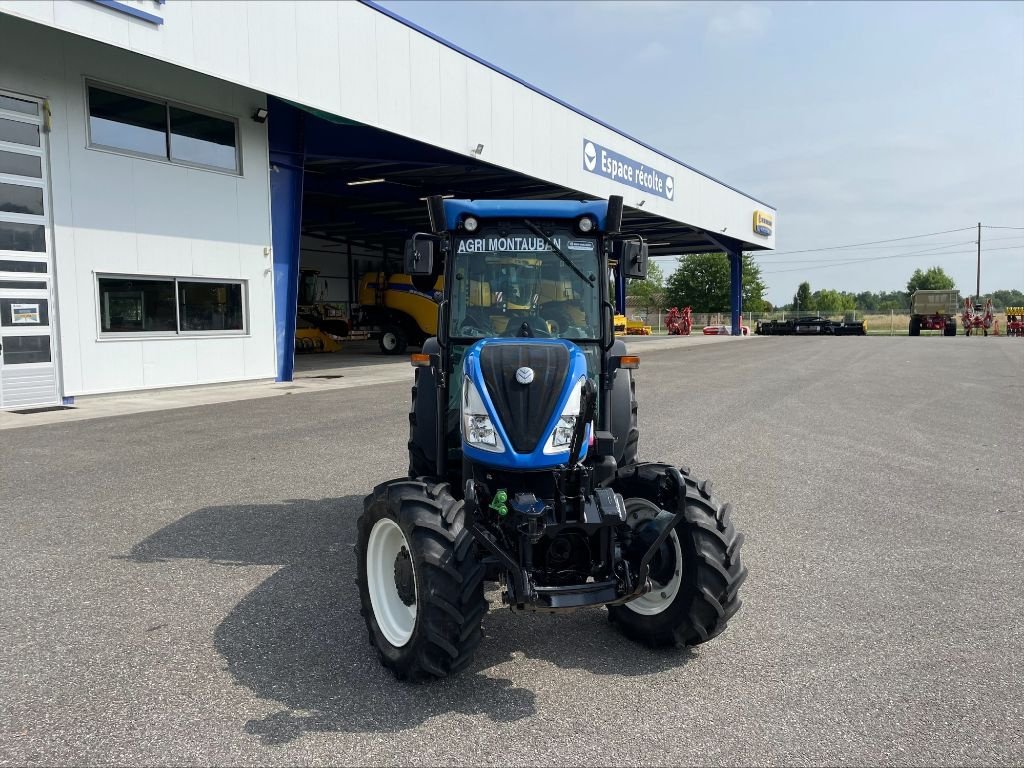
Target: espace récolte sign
column 625, row 170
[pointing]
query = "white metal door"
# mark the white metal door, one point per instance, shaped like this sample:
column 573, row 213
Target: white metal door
column 28, row 370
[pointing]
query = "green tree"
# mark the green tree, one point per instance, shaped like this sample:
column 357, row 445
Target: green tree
column 802, row 300
column 753, row 287
column 867, row 301
column 831, row 301
column 702, row 282
column 650, row 293
column 934, row 279
column 1007, row 298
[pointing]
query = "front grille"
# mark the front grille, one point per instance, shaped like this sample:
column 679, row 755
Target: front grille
column 524, row 409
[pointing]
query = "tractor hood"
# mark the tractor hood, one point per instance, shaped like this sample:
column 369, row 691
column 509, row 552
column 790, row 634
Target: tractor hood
column 519, row 398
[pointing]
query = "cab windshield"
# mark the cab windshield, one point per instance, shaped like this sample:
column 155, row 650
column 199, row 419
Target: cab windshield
column 508, row 281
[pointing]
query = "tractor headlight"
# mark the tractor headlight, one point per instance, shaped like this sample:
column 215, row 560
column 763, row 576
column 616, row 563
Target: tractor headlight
column 471, row 223
column 477, row 428
column 561, row 435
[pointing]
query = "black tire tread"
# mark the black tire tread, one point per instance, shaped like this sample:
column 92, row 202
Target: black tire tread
column 713, row 546
column 450, row 595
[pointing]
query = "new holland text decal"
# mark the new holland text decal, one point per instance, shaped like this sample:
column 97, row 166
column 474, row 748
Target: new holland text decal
column 625, row 170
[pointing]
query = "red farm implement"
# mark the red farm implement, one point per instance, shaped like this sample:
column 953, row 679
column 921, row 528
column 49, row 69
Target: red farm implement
column 679, row 322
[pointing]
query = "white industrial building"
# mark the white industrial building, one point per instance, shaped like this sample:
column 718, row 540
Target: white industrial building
column 165, row 168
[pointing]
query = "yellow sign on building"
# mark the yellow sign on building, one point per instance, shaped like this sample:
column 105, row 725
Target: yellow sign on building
column 763, row 223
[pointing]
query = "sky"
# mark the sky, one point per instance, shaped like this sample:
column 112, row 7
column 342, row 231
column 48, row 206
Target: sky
column 859, row 122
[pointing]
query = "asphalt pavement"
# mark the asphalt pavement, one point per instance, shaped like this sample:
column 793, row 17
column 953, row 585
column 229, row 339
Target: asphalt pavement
column 176, row 587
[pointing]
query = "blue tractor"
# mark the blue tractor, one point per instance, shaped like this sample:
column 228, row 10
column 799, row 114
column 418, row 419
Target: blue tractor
column 523, row 466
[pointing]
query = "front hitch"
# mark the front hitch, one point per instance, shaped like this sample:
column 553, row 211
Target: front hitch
column 677, row 487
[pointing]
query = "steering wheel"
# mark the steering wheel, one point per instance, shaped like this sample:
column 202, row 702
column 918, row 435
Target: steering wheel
column 538, row 328
column 472, row 325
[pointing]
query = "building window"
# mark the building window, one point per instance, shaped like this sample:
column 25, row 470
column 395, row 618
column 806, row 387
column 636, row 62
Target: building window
column 170, row 306
column 130, row 305
column 17, row 132
column 15, row 236
column 17, row 164
column 19, row 350
column 209, row 306
column 202, row 140
column 163, row 130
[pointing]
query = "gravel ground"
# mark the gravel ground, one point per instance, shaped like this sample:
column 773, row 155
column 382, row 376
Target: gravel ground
column 177, row 587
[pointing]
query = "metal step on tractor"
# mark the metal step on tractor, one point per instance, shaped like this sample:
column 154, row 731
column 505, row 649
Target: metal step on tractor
column 523, row 451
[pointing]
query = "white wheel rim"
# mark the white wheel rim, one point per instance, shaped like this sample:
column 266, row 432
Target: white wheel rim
column 395, row 619
column 390, row 341
column 662, row 595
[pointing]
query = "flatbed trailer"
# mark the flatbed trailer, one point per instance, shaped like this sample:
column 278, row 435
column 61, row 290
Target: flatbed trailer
column 811, row 326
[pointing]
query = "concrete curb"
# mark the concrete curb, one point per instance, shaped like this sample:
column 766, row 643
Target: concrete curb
column 308, row 382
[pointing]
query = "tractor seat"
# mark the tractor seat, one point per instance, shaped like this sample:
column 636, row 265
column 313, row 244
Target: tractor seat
column 479, row 293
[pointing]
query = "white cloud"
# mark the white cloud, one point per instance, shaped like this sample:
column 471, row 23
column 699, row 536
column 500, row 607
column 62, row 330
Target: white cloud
column 738, row 20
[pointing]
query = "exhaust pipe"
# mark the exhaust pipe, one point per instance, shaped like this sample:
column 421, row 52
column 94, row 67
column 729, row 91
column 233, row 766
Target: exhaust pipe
column 435, row 209
column 613, row 220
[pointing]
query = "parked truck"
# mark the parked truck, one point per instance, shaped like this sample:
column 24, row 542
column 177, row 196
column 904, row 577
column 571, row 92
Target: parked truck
column 934, row 311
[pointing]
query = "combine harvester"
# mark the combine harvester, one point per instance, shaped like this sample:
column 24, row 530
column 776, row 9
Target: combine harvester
column 523, row 465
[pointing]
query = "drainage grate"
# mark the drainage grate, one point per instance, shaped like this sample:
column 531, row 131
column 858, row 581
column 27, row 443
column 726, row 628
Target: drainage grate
column 328, row 376
column 44, row 409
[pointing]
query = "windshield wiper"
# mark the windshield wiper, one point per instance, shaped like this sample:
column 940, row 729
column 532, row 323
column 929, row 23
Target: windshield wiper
column 558, row 251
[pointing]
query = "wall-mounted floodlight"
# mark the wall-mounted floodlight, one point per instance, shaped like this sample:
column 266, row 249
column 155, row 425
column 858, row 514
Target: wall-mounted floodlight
column 365, row 181
column 478, row 149
column 260, row 115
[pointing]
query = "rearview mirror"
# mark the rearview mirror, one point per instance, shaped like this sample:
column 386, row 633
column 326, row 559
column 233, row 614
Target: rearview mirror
column 632, row 257
column 419, row 255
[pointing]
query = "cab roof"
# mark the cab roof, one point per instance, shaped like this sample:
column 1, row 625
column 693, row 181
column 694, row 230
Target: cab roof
column 526, row 209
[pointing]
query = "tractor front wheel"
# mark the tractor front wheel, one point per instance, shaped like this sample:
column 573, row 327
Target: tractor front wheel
column 696, row 574
column 420, row 584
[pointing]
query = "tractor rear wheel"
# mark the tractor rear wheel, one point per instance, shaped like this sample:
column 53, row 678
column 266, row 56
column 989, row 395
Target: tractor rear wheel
column 420, row 584
column 698, row 572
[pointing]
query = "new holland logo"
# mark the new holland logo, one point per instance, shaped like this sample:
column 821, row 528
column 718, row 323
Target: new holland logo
column 524, row 375
column 590, row 155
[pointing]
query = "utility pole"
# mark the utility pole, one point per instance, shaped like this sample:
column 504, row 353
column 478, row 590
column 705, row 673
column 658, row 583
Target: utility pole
column 979, row 263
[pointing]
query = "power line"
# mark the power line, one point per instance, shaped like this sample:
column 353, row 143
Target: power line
column 937, row 246
column 872, row 242
column 893, row 256
column 867, row 258
column 993, row 226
